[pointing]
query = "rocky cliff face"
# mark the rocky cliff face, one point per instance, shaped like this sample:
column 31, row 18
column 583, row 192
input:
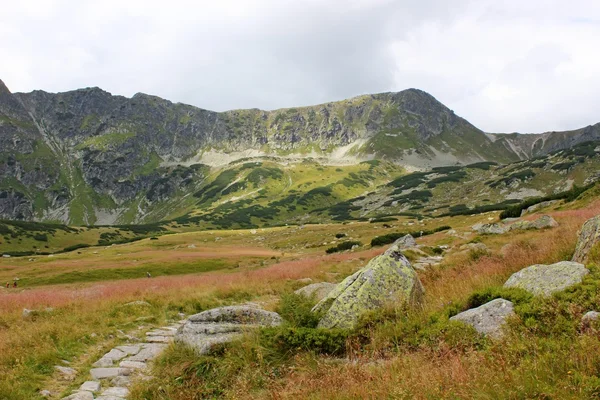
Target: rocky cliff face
column 87, row 156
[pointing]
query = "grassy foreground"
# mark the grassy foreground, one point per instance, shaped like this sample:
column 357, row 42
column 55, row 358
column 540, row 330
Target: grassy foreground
column 396, row 353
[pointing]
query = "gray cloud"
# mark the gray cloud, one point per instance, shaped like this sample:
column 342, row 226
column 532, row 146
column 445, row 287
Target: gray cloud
column 505, row 66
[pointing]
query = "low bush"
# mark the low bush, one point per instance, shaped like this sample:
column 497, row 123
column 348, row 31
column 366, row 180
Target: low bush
column 343, row 246
column 295, row 310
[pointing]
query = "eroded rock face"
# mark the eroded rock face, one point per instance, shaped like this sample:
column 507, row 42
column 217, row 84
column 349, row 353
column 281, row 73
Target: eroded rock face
column 487, row 318
column 222, row 325
column 589, row 235
column 543, row 222
column 543, row 280
column 386, row 278
column 318, row 290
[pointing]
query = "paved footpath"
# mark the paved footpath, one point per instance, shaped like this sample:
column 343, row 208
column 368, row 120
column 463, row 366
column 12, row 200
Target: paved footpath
column 115, row 370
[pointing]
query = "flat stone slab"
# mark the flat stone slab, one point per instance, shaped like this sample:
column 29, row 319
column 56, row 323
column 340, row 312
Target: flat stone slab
column 110, row 398
column 103, row 373
column 149, row 351
column 80, row 396
column 487, row 318
column 115, row 354
column 543, row 280
column 90, row 386
column 159, row 339
column 129, row 349
column 161, row 332
column 103, row 362
column 133, row 364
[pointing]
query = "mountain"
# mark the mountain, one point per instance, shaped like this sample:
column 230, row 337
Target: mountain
column 88, row 157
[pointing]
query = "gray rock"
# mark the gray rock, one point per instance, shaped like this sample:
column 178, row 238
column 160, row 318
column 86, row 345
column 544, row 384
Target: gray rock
column 588, row 320
column 589, row 235
column 222, row 325
column 159, row 339
column 103, row 362
column 405, row 242
column 90, row 386
column 543, row 222
column 129, row 349
column 161, row 332
column 66, row 372
column 386, row 278
column 490, row 229
column 148, row 351
column 80, row 396
column 488, row 318
column 543, row 280
column 318, row 290
column 45, row 393
column 103, row 373
column 116, row 391
column 110, row 397
column 538, row 206
column 115, row 354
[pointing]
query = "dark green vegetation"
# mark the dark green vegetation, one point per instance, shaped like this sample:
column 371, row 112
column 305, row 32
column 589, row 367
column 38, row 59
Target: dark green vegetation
column 568, row 196
column 392, row 237
column 347, row 245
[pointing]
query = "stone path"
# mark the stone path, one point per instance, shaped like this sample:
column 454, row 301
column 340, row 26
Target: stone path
column 115, row 370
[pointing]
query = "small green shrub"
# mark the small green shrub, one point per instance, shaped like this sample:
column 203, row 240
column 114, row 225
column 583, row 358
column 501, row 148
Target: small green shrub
column 290, row 339
column 295, row 310
column 340, row 235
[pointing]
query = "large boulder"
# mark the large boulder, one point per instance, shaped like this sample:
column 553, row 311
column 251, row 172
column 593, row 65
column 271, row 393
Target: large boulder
column 386, row 278
column 490, row 229
column 543, row 222
column 318, row 290
column 543, row 280
column 487, row 318
column 222, row 325
column 589, row 235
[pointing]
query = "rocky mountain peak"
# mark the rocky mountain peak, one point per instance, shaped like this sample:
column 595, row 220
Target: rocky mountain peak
column 3, row 88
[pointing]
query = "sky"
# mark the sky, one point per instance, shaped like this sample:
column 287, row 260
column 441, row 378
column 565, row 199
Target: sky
column 506, row 66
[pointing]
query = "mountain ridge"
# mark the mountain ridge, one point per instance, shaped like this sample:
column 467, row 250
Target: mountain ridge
column 75, row 155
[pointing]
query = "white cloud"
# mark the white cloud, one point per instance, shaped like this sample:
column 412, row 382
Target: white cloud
column 505, row 66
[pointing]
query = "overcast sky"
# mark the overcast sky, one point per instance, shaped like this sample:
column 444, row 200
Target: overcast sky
column 527, row 66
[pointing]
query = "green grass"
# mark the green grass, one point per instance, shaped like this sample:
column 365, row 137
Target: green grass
column 107, row 274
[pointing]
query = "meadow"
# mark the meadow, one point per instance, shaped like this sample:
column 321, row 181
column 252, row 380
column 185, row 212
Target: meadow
column 80, row 300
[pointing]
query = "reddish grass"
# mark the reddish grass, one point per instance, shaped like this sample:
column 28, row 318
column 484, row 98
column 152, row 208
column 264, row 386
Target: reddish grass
column 57, row 296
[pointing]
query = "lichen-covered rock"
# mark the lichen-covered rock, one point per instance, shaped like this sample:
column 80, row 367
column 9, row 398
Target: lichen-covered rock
column 490, row 229
column 589, row 235
column 222, row 325
column 487, row 318
column 543, row 280
column 386, row 278
column 318, row 290
column 543, row 222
